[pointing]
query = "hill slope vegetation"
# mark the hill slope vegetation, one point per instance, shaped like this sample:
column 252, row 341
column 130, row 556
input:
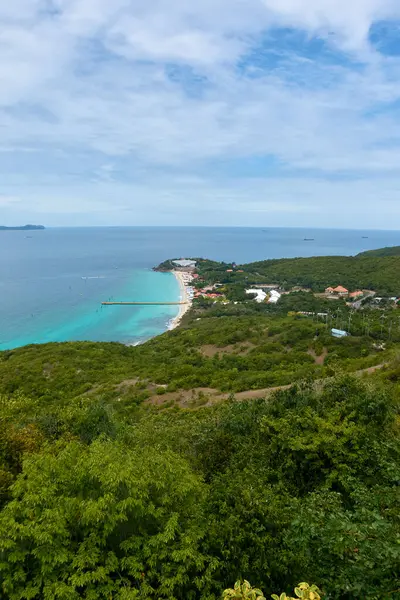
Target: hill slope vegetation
column 170, row 470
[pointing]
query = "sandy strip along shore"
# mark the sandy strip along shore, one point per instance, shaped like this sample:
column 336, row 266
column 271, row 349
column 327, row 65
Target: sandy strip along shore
column 183, row 298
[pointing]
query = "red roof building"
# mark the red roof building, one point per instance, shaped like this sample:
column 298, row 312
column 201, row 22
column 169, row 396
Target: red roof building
column 340, row 290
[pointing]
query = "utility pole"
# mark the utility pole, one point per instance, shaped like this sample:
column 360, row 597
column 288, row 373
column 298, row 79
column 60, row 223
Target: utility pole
column 350, row 317
column 382, row 318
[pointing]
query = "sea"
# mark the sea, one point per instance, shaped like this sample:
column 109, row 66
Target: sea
column 53, row 281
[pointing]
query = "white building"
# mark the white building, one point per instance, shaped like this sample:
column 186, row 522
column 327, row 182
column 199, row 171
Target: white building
column 260, row 294
column 183, row 262
column 274, row 297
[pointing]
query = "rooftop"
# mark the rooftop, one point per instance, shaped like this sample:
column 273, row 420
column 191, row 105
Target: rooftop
column 260, row 294
column 183, row 262
column 339, row 333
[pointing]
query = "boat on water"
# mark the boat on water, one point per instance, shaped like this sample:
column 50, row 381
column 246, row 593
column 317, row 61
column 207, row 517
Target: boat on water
column 364, row 237
column 308, row 239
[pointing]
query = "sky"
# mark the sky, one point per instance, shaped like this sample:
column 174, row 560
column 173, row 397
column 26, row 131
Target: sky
column 202, row 112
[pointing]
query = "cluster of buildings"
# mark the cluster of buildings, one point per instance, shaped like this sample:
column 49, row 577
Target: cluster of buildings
column 187, row 278
column 209, row 291
column 270, row 297
column 186, row 268
column 342, row 292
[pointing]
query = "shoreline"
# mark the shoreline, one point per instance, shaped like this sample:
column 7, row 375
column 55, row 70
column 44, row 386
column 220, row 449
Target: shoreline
column 175, row 322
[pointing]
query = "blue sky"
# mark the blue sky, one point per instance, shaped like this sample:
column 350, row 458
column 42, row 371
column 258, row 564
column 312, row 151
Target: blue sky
column 219, row 112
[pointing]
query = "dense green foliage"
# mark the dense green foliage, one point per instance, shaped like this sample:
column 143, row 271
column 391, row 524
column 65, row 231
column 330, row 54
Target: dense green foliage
column 254, row 350
column 237, row 447
column 388, row 251
column 177, row 504
column 103, row 521
column 379, row 272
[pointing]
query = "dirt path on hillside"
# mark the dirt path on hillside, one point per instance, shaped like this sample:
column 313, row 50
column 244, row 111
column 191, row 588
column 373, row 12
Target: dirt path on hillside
column 371, row 370
column 319, row 359
column 252, row 394
column 197, row 397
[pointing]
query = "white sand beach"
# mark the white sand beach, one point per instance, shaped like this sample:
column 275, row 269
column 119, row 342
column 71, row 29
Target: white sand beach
column 183, row 298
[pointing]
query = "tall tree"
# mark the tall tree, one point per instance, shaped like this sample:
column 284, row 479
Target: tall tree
column 102, row 521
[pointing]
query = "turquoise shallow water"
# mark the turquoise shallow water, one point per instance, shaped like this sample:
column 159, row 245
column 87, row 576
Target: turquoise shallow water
column 44, row 298
column 79, row 315
column 52, row 286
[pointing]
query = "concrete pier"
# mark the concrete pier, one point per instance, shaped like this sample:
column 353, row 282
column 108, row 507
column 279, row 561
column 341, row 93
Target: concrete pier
column 144, row 303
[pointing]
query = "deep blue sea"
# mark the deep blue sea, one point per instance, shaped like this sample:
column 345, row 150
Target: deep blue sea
column 52, row 282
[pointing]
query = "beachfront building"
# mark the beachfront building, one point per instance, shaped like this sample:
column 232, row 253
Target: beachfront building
column 185, row 265
column 186, row 277
column 183, row 262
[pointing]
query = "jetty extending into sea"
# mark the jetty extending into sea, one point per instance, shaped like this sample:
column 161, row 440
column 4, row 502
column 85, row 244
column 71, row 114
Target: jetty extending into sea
column 144, row 303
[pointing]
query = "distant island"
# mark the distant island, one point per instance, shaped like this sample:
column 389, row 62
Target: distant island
column 22, row 228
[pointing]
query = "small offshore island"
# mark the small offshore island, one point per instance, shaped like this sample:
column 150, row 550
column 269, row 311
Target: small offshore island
column 22, row 228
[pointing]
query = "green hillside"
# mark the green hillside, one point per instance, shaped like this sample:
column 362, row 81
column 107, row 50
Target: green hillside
column 388, row 251
column 246, row 444
column 218, row 349
column 376, row 272
column 106, row 495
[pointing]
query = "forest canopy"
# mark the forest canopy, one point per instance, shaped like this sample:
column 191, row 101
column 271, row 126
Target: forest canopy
column 378, row 271
column 180, row 504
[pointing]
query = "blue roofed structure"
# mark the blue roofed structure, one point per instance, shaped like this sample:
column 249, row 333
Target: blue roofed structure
column 339, row 333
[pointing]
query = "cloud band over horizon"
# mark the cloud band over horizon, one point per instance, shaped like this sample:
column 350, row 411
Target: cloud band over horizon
column 210, row 113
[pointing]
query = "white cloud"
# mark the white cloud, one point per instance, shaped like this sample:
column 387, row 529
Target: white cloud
column 347, row 23
column 298, row 202
column 183, row 87
column 8, row 200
